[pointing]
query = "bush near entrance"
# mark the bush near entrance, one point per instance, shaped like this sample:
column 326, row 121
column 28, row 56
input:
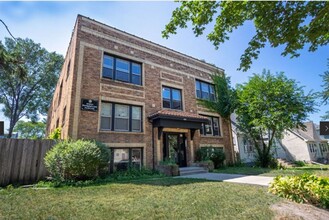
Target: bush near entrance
column 217, row 156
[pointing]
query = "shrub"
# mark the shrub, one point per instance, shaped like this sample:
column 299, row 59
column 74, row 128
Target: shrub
column 202, row 154
column 77, row 160
column 305, row 188
column 218, row 158
column 299, row 163
column 216, row 155
column 56, row 134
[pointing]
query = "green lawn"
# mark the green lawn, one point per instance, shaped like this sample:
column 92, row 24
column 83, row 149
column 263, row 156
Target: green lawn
column 322, row 170
column 162, row 198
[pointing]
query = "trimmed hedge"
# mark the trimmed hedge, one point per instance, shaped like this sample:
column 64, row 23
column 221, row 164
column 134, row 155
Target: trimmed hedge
column 304, row 188
column 77, row 160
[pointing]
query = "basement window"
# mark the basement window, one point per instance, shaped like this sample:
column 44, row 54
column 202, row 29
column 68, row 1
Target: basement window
column 125, row 158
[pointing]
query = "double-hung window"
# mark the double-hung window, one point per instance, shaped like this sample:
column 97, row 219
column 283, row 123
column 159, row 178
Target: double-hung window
column 212, row 128
column 312, row 147
column 247, row 145
column 106, row 115
column 108, row 66
column 120, row 117
column 204, row 90
column 172, row 98
column 136, row 72
column 122, row 70
column 136, row 118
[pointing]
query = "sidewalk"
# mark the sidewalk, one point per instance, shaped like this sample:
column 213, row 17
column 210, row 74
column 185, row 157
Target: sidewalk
column 232, row 178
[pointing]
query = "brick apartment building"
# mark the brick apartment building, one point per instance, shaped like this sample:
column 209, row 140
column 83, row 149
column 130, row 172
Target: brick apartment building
column 137, row 97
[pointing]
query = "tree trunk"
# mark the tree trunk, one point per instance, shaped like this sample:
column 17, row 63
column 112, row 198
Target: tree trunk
column 10, row 130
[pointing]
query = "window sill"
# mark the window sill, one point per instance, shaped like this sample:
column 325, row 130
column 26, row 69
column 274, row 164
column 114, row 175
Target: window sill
column 205, row 136
column 177, row 110
column 122, row 82
column 120, row 132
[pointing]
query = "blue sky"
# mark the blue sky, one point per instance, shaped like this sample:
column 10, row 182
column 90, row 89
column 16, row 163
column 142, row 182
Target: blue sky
column 51, row 24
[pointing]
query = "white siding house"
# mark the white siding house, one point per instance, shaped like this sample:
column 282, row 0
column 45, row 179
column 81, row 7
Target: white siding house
column 245, row 148
column 306, row 145
column 295, row 145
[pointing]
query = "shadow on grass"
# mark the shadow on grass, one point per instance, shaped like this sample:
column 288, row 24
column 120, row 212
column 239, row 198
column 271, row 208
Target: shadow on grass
column 168, row 181
column 309, row 168
column 243, row 170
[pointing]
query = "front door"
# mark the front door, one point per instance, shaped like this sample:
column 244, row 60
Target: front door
column 174, row 148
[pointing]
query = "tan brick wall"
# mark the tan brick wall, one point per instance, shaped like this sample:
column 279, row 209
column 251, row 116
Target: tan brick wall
column 161, row 66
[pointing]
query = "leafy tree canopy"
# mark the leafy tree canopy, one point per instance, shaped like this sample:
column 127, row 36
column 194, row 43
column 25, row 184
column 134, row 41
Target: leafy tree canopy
column 325, row 92
column 31, row 95
column 268, row 105
column 292, row 24
column 29, row 129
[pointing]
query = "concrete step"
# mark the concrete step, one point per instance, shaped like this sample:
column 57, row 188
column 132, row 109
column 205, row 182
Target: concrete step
column 184, row 171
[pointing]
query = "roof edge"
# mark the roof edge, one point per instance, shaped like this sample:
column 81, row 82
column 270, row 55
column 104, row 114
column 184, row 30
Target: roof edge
column 156, row 44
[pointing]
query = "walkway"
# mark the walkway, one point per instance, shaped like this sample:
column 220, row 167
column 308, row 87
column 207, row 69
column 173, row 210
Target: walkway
column 232, row 178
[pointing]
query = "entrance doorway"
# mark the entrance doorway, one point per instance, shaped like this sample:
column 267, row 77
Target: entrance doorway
column 174, row 148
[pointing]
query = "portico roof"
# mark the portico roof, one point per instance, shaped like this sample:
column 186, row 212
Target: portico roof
column 177, row 115
column 177, row 119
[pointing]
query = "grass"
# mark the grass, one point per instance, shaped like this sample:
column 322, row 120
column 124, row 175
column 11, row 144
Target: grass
column 319, row 170
column 162, row 198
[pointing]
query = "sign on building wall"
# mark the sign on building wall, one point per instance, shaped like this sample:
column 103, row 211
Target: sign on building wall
column 89, row 105
column 2, row 128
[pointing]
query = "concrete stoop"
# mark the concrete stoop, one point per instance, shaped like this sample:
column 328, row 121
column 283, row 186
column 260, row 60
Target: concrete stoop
column 185, row 171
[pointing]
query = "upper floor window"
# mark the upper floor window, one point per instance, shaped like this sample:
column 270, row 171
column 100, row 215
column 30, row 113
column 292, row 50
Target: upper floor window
column 121, row 69
column 204, row 90
column 120, row 117
column 171, row 98
column 212, row 128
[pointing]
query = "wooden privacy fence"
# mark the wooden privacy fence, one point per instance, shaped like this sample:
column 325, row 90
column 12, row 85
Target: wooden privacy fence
column 22, row 160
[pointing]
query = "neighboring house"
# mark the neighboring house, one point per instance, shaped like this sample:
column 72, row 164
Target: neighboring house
column 136, row 96
column 245, row 149
column 296, row 144
column 306, row 145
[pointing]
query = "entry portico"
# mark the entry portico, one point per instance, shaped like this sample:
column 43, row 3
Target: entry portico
column 176, row 130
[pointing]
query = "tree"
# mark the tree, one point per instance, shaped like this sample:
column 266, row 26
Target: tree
column 325, row 92
column 6, row 59
column 30, row 129
column 292, row 24
column 226, row 99
column 31, row 95
column 268, row 105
